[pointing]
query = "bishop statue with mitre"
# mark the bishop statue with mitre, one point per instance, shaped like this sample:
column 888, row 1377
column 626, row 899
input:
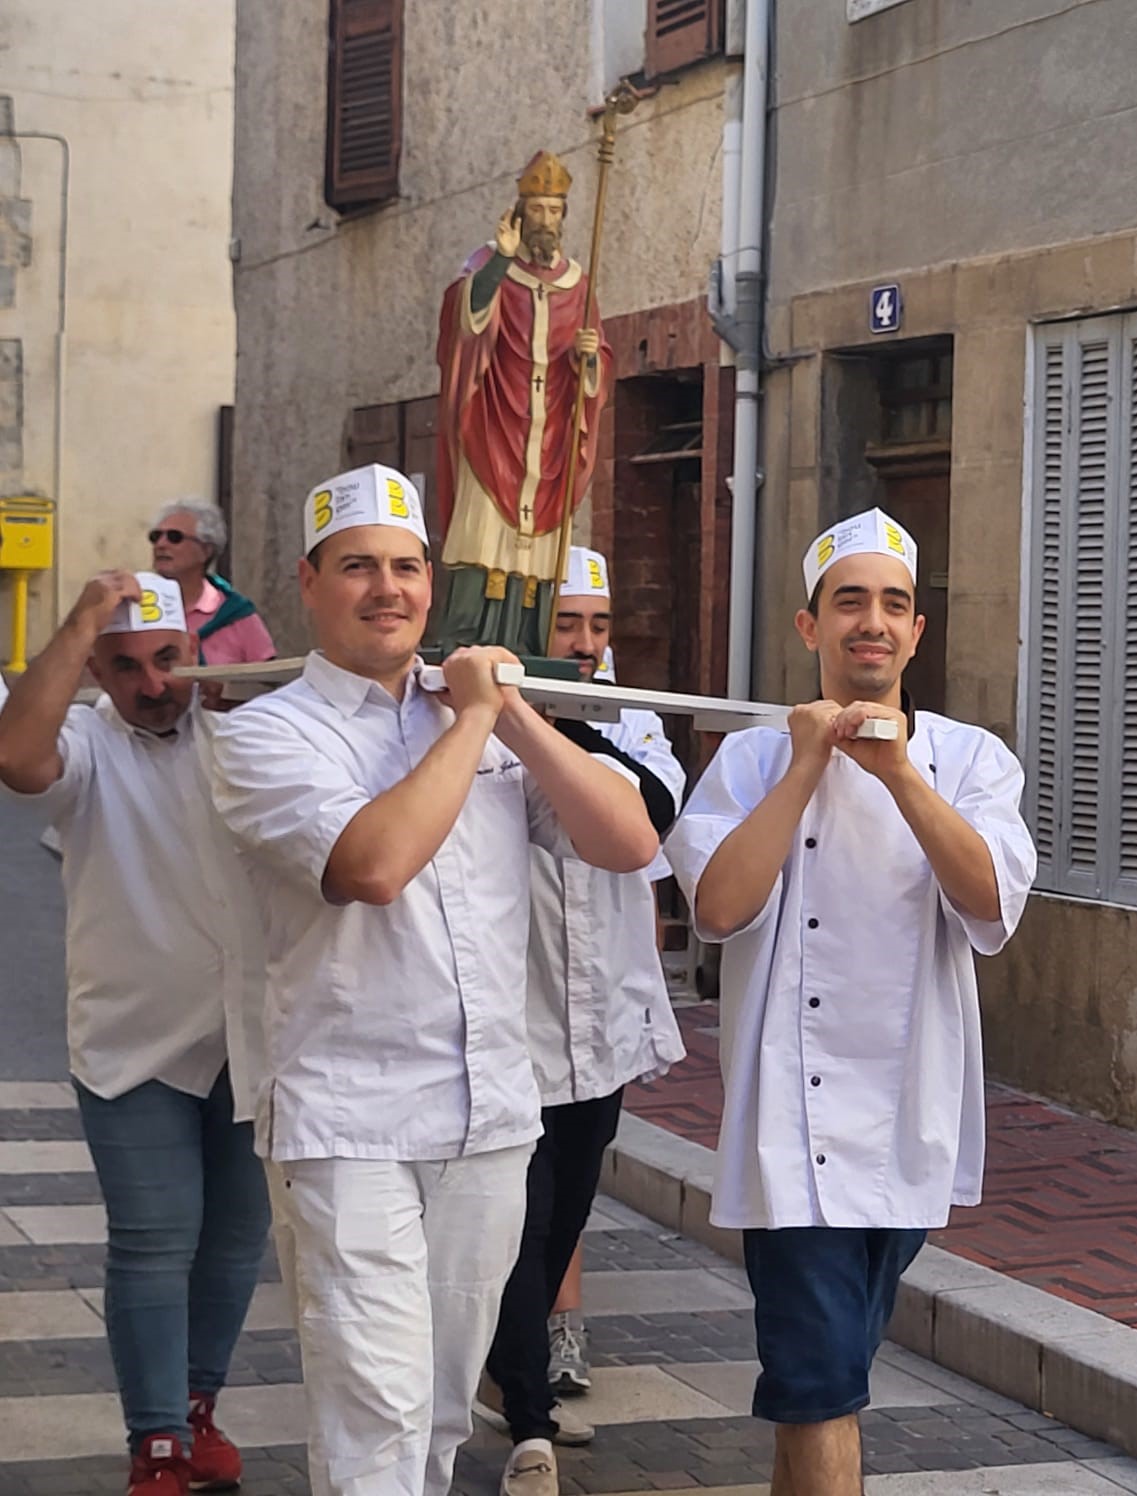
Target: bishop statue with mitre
column 511, row 344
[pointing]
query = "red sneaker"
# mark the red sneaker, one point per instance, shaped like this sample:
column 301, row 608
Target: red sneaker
column 160, row 1468
column 214, row 1463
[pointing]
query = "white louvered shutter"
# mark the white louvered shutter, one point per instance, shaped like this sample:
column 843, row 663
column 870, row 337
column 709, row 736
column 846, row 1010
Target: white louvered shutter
column 1081, row 750
column 1124, row 809
column 1045, row 656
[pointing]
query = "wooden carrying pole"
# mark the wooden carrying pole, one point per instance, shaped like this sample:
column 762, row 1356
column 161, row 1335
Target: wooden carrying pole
column 622, row 100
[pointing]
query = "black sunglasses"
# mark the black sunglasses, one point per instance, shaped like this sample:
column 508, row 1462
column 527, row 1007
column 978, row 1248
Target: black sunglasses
column 175, row 537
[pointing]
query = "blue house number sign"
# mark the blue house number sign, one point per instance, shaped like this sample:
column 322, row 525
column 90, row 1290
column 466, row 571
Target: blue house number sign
column 886, row 309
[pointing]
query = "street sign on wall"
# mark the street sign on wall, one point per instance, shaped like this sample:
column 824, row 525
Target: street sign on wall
column 886, row 309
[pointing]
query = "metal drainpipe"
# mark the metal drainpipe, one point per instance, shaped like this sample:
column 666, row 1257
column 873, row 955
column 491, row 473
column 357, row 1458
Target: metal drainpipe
column 60, row 340
column 747, row 342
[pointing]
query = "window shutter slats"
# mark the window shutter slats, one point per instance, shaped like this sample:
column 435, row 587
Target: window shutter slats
column 1081, row 745
column 1088, row 602
column 1126, row 691
column 680, row 32
column 1044, row 778
column 365, row 65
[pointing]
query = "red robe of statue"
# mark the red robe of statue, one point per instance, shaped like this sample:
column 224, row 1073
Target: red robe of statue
column 509, row 378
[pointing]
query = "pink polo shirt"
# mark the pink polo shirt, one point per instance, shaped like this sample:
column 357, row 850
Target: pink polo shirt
column 246, row 639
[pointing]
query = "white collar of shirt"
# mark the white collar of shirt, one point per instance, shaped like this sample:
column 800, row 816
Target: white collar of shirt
column 347, row 691
column 107, row 710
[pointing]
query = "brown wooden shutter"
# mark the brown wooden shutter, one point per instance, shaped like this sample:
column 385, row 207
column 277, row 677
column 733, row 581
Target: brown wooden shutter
column 365, row 101
column 680, row 32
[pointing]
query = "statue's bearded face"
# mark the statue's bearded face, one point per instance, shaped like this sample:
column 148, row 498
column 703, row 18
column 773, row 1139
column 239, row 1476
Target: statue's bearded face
column 542, row 225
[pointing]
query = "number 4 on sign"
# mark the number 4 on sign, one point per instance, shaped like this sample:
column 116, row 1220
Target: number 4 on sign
column 885, row 309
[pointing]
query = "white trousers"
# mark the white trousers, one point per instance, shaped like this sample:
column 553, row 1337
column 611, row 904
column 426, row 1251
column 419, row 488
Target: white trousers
column 400, row 1269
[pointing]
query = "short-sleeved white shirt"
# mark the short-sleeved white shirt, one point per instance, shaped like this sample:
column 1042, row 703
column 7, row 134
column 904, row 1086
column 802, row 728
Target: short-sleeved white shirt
column 395, row 1031
column 599, row 1013
column 851, row 1044
column 160, row 984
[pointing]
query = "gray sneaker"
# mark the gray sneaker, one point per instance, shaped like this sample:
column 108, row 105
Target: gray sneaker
column 568, row 1354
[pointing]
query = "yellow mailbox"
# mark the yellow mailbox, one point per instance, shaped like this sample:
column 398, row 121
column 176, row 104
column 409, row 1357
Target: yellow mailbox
column 27, row 544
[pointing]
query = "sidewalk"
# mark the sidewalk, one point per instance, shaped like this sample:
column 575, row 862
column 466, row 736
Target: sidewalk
column 1059, row 1204
column 1034, row 1293
column 673, row 1368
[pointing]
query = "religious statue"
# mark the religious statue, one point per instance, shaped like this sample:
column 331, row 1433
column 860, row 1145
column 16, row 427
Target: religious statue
column 513, row 347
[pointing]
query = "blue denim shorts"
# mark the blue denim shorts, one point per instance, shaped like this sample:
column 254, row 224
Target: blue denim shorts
column 823, row 1296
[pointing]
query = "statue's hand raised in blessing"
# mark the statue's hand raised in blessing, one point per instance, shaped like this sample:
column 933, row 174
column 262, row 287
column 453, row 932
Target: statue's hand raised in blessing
column 508, row 236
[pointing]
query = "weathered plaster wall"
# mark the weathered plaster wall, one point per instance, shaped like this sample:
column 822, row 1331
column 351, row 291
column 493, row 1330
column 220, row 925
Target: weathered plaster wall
column 334, row 314
column 1060, row 1006
column 144, row 96
column 948, row 129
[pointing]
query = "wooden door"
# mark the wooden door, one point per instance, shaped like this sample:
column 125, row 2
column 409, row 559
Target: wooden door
column 921, row 503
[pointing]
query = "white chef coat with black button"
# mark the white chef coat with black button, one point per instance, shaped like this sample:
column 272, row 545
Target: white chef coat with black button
column 396, row 1031
column 599, row 1014
column 162, row 979
column 851, row 1046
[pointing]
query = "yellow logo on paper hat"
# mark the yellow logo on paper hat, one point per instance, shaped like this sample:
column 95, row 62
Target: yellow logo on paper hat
column 397, row 499
column 586, row 574
column 860, row 534
column 158, row 605
column 370, row 495
column 322, row 509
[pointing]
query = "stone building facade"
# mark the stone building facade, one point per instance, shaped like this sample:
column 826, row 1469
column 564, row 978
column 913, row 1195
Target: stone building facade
column 338, row 311
column 969, row 161
column 977, row 158
column 117, row 334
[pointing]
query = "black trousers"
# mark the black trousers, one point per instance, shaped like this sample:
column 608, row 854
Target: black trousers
column 563, row 1174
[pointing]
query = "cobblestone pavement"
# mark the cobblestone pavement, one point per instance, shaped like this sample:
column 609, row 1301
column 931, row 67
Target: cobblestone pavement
column 1059, row 1204
column 670, row 1321
column 672, row 1342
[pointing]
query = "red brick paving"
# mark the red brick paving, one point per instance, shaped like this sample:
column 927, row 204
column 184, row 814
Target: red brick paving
column 1060, row 1195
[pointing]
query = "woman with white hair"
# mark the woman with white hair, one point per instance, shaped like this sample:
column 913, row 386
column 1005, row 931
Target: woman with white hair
column 188, row 537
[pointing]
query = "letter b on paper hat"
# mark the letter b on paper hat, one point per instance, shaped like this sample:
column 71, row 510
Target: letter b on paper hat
column 371, row 495
column 872, row 532
column 160, row 607
column 587, row 574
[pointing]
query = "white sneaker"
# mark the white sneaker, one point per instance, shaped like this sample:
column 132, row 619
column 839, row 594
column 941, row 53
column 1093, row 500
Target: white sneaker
column 531, row 1470
column 569, row 1371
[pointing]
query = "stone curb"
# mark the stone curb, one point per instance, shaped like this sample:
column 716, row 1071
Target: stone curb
column 1053, row 1356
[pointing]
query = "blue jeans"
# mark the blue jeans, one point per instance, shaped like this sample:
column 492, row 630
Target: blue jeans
column 823, row 1298
column 187, row 1218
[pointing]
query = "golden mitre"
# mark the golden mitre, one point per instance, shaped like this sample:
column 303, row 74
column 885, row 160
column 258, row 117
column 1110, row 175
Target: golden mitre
column 545, row 176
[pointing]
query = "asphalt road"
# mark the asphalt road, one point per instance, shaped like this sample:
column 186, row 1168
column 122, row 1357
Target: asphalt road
column 33, row 1043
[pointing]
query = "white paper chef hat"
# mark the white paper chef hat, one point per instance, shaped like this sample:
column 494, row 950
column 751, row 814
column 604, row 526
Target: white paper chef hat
column 587, row 574
column 371, row 495
column 872, row 532
column 160, row 607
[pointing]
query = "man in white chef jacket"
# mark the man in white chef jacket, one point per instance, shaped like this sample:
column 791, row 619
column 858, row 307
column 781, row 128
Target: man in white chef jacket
column 162, row 996
column 599, row 1016
column 387, row 831
column 850, row 880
